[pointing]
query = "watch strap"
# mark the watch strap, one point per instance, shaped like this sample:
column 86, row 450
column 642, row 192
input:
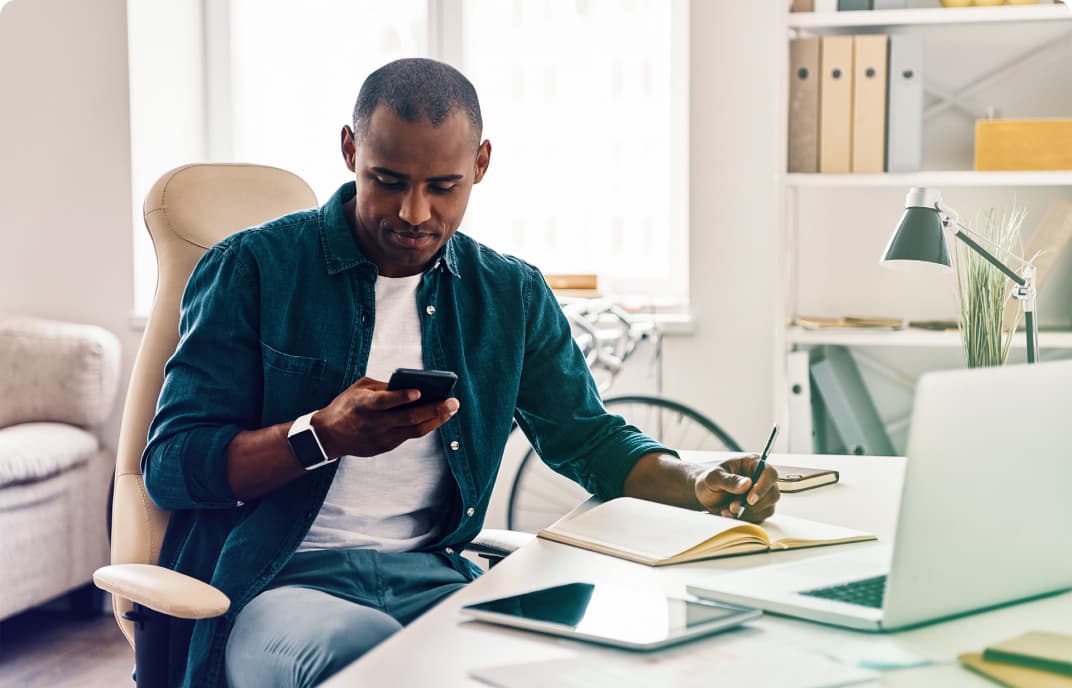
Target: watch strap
column 305, row 443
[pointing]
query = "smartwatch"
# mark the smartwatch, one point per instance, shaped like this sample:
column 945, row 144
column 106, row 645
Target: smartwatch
column 306, row 445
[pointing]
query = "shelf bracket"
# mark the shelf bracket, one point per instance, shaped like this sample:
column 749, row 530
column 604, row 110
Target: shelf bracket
column 954, row 99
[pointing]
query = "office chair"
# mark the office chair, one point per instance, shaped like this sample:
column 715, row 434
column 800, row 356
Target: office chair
column 188, row 210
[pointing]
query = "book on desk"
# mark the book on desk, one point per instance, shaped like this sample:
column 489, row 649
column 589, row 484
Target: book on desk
column 798, row 479
column 660, row 534
column 1036, row 658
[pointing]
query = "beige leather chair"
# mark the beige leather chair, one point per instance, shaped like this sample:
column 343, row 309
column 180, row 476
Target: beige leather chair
column 187, row 211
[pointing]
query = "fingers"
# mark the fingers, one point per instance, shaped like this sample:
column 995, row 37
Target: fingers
column 368, row 419
column 386, row 400
column 425, row 417
column 728, row 489
column 759, row 502
column 718, row 488
column 368, row 394
column 718, row 480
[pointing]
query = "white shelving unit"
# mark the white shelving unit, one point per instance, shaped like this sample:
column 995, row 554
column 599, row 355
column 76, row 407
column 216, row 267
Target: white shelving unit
column 938, row 179
column 909, row 337
column 807, row 198
column 936, row 15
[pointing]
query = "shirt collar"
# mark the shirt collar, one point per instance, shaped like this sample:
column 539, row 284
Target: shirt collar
column 341, row 250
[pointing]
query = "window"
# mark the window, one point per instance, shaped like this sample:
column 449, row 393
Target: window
column 581, row 106
column 296, row 68
column 585, row 103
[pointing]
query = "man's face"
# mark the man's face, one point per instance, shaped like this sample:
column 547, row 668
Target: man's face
column 413, row 185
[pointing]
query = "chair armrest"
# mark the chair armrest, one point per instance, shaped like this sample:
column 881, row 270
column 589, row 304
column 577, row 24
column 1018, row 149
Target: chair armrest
column 163, row 590
column 492, row 542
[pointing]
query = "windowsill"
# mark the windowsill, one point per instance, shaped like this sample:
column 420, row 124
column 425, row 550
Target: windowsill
column 675, row 324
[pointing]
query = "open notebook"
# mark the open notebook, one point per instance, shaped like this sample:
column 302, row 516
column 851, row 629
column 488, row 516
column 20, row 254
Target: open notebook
column 659, row 534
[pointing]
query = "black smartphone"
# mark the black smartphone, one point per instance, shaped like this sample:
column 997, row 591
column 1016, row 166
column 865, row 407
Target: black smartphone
column 435, row 385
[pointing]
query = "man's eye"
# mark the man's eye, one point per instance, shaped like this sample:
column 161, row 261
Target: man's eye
column 444, row 189
column 388, row 183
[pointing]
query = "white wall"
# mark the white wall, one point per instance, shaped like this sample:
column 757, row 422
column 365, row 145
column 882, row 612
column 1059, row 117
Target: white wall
column 65, row 193
column 724, row 368
column 167, row 109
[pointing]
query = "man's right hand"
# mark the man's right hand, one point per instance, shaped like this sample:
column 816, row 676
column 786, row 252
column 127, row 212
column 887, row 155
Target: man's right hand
column 365, row 419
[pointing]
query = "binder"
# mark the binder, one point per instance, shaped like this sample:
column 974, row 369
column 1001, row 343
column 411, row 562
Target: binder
column 802, row 6
column 904, row 130
column 851, row 5
column 835, row 104
column 889, row 4
column 825, row 5
column 801, row 433
column 851, row 409
column 869, row 103
column 804, row 105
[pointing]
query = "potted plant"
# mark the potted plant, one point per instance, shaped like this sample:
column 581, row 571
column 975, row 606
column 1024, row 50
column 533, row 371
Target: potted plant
column 986, row 332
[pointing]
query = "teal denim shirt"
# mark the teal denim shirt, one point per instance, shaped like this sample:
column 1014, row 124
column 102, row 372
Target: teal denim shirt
column 276, row 321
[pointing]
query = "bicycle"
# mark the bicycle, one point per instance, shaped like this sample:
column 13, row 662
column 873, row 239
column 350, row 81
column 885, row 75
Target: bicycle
column 608, row 336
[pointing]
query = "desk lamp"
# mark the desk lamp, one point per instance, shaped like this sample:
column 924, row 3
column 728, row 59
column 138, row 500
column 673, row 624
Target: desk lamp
column 919, row 238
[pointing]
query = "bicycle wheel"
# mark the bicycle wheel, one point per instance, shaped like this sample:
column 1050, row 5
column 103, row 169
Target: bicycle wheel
column 539, row 496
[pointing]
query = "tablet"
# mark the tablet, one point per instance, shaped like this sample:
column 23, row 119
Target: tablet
column 633, row 618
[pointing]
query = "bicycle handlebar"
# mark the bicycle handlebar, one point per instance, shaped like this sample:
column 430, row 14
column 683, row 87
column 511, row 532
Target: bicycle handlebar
column 606, row 333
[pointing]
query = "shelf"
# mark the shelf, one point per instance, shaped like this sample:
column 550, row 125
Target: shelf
column 930, row 16
column 933, row 179
column 911, row 337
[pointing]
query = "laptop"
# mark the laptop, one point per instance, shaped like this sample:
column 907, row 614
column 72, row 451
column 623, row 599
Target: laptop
column 984, row 517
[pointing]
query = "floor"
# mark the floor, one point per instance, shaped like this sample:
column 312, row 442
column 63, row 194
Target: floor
column 46, row 648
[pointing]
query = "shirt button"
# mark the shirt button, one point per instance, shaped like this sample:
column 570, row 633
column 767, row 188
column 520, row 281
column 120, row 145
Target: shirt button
column 455, row 445
column 449, row 550
column 430, row 310
column 470, row 511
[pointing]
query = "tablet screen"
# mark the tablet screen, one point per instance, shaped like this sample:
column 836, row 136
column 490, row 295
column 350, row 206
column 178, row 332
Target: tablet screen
column 630, row 617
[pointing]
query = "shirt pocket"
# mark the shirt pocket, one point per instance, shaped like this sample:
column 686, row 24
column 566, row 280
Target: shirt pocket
column 292, row 385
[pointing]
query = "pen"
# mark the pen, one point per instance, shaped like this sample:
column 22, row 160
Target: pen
column 759, row 467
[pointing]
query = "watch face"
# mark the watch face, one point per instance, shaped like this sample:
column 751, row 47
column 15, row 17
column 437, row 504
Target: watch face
column 306, row 448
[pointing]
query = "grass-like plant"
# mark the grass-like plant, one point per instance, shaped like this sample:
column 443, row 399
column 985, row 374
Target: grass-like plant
column 983, row 290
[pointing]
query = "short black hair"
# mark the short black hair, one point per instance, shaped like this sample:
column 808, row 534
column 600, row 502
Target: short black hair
column 417, row 88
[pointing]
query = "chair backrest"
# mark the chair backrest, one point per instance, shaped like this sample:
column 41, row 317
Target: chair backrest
column 188, row 210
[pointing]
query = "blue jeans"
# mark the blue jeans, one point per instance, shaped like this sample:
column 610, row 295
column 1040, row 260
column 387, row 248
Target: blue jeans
column 327, row 608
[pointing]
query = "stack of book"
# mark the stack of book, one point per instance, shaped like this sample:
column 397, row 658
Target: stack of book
column 1038, row 658
column 848, row 322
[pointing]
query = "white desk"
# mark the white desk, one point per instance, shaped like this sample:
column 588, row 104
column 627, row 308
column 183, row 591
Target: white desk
column 440, row 648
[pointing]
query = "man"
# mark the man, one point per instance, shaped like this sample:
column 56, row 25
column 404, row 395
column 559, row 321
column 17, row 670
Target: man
column 329, row 510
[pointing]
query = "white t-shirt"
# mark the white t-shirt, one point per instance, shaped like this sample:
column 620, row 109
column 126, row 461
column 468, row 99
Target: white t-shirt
column 395, row 501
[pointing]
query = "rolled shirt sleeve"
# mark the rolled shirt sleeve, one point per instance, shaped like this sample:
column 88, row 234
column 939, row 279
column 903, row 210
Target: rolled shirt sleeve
column 559, row 405
column 212, row 386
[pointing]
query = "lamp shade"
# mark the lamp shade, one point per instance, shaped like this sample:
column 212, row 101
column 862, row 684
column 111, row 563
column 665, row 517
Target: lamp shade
column 918, row 238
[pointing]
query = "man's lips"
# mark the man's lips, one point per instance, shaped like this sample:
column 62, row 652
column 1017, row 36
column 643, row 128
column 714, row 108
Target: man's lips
column 411, row 239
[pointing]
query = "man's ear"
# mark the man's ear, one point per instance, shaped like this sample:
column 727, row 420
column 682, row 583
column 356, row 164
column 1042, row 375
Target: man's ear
column 483, row 159
column 349, row 148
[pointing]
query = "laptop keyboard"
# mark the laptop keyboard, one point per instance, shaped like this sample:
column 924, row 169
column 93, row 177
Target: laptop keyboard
column 866, row 592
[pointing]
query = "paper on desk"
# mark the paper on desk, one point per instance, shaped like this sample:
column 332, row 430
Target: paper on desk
column 878, row 653
column 782, row 667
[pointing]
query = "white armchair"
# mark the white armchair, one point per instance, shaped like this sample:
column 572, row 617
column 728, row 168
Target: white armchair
column 57, row 385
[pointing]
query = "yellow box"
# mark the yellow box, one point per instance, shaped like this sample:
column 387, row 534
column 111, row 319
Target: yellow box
column 1023, row 144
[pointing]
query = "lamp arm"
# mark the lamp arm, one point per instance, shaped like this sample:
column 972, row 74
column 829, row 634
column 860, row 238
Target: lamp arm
column 951, row 217
column 989, row 257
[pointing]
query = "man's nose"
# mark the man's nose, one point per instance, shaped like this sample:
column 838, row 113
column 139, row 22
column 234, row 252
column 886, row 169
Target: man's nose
column 415, row 209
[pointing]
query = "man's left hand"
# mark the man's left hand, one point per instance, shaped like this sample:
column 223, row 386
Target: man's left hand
column 727, row 489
